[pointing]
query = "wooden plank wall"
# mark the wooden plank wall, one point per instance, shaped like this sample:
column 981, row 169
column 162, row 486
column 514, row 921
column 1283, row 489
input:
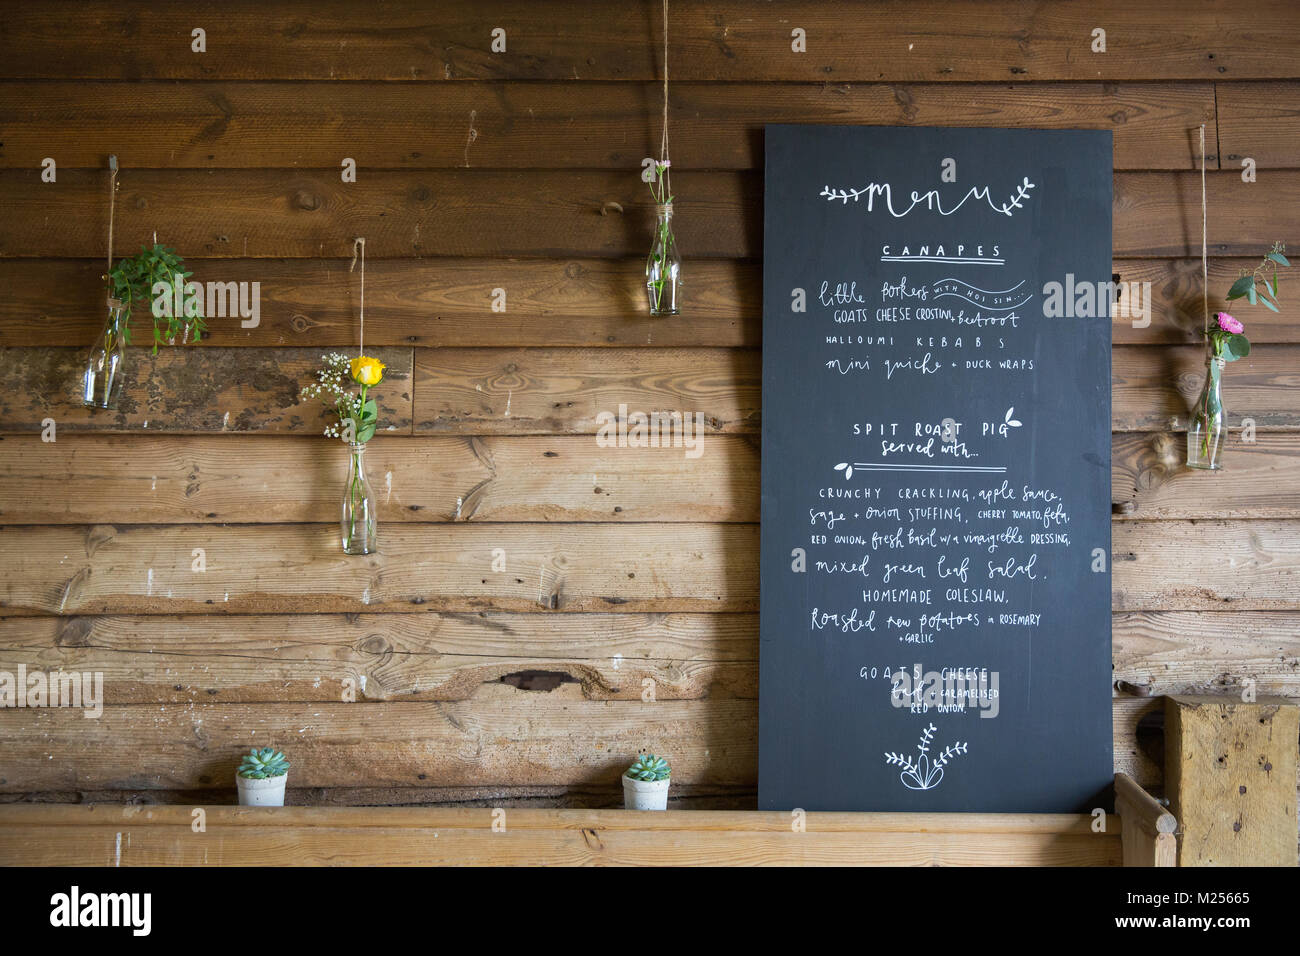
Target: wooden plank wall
column 519, row 171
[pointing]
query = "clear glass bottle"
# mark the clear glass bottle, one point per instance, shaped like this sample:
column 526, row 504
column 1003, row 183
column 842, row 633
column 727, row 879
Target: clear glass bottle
column 1205, row 432
column 357, row 522
column 663, row 267
column 102, row 378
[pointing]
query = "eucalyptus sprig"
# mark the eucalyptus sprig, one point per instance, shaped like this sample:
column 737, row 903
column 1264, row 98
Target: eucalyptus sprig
column 135, row 279
column 1258, row 287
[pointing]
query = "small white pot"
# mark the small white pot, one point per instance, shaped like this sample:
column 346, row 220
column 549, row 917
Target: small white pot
column 645, row 794
column 261, row 793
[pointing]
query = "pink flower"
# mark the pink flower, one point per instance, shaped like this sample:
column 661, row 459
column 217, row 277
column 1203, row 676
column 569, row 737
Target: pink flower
column 1229, row 324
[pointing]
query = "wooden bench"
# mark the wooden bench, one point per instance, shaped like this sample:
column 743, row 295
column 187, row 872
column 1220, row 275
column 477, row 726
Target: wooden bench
column 106, row 835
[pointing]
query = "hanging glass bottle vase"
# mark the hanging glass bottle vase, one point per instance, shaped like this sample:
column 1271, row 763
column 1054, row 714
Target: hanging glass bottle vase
column 358, row 515
column 1205, row 433
column 663, row 267
column 102, row 379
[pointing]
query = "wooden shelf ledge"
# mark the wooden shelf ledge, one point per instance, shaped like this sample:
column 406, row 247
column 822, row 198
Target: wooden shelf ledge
column 109, row 835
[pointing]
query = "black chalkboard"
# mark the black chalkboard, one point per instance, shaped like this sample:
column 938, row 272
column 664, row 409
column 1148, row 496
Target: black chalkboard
column 936, row 600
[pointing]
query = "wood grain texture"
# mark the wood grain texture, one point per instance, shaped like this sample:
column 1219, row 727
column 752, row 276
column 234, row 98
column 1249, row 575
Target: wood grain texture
column 566, row 391
column 256, row 479
column 188, row 391
column 1206, row 565
column 308, row 657
column 549, row 391
column 547, row 125
column 1153, row 389
column 501, row 736
column 93, row 836
column 300, row 568
column 1230, row 767
column 102, row 569
column 528, row 796
column 710, row 40
column 281, row 657
column 1150, row 480
column 1260, row 122
column 1189, row 652
column 148, row 479
column 447, row 302
column 545, row 213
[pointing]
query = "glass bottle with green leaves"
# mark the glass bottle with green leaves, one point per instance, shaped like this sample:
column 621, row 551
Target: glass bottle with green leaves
column 663, row 267
column 156, row 276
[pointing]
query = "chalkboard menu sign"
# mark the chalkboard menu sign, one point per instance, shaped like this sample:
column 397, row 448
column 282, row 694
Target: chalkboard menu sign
column 935, row 628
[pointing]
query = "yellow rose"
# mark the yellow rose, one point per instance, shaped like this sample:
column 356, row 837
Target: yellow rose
column 367, row 371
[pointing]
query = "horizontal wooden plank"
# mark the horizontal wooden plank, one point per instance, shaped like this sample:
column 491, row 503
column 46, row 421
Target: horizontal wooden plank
column 549, row 391
column 1177, row 310
column 208, row 658
column 282, row 568
column 1259, row 121
column 534, row 796
column 500, row 736
column 548, row 213
column 102, row 569
column 255, row 479
column 1261, row 478
column 188, row 391
column 1206, row 565
column 148, row 479
column 1185, row 652
column 90, row 836
column 281, row 658
column 397, row 818
column 558, row 391
column 549, row 302
column 436, row 302
column 547, row 125
column 709, row 40
column 1153, row 388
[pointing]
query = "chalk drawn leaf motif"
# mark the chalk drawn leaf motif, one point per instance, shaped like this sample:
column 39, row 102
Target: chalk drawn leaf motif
column 845, row 467
column 1009, row 420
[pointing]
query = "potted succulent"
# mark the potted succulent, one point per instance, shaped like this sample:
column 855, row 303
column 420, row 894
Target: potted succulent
column 261, row 778
column 645, row 784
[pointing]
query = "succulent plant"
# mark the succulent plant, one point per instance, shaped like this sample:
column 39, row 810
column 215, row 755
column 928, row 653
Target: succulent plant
column 260, row 764
column 649, row 768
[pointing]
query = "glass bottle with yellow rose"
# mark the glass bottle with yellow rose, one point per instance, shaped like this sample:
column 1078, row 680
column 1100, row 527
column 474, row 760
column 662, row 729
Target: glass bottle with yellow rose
column 357, row 415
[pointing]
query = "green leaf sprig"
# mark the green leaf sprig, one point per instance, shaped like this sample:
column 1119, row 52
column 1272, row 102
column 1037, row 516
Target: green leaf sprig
column 133, row 279
column 1257, row 287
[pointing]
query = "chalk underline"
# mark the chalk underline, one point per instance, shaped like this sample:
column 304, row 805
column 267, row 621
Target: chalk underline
column 956, row 259
column 887, row 466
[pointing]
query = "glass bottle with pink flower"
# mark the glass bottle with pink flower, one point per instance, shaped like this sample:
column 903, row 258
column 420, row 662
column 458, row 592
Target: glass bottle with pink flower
column 1206, row 433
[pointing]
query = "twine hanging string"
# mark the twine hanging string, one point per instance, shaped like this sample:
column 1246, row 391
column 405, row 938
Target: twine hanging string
column 359, row 248
column 112, row 205
column 1205, row 262
column 663, row 143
